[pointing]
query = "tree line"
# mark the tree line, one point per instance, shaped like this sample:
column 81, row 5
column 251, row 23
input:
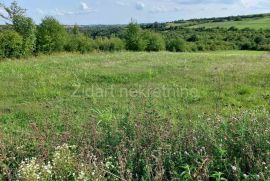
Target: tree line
column 21, row 37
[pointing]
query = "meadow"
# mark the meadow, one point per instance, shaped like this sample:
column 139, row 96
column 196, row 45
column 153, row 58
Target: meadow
column 241, row 22
column 136, row 115
column 254, row 23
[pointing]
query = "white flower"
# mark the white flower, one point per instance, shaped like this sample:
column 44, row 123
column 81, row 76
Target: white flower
column 234, row 168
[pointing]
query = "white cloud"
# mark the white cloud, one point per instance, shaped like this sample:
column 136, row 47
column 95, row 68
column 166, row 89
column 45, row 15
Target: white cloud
column 40, row 11
column 84, row 6
column 59, row 12
column 121, row 3
column 140, row 5
column 164, row 9
column 253, row 3
column 2, row 11
column 84, row 9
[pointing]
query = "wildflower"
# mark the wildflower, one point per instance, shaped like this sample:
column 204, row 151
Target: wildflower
column 234, row 168
column 109, row 165
column 82, row 176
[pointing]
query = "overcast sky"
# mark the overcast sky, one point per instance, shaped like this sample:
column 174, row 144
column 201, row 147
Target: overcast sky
column 87, row 12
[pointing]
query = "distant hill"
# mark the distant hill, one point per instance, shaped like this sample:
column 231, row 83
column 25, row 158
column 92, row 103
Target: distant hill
column 258, row 21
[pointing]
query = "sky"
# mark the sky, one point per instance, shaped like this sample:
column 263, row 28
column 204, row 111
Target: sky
column 88, row 12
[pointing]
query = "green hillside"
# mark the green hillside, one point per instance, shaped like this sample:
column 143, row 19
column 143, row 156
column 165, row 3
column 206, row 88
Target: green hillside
column 257, row 23
column 252, row 21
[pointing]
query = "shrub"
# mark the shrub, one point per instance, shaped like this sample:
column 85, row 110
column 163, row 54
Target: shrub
column 51, row 36
column 117, row 44
column 154, row 41
column 193, row 38
column 11, row 44
column 79, row 43
column 109, row 44
column 191, row 47
column 248, row 46
column 265, row 47
column 176, row 45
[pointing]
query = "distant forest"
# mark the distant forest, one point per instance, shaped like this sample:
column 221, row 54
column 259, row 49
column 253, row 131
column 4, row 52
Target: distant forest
column 197, row 39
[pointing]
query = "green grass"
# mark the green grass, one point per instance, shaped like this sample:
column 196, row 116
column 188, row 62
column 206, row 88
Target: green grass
column 55, row 92
column 40, row 87
column 253, row 23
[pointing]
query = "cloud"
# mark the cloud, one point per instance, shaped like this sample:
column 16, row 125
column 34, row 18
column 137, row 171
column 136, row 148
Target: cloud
column 54, row 12
column 140, row 6
column 253, row 3
column 40, row 11
column 121, row 3
column 205, row 1
column 84, row 9
column 84, row 6
column 164, row 9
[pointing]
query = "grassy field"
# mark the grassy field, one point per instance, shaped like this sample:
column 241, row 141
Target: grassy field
column 215, row 101
column 253, row 23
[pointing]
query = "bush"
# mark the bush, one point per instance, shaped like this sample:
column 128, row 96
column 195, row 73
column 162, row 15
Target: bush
column 117, row 44
column 52, row 36
column 79, row 43
column 11, row 44
column 154, row 41
column 193, row 38
column 176, row 45
column 112, row 44
column 191, row 47
column 264, row 47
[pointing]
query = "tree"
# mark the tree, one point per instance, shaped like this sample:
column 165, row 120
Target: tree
column 10, row 44
column 27, row 29
column 134, row 39
column 14, row 10
column 51, row 36
column 23, row 25
column 76, row 30
column 154, row 41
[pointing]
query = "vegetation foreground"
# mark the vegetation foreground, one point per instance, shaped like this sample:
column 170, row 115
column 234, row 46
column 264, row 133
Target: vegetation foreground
column 136, row 116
